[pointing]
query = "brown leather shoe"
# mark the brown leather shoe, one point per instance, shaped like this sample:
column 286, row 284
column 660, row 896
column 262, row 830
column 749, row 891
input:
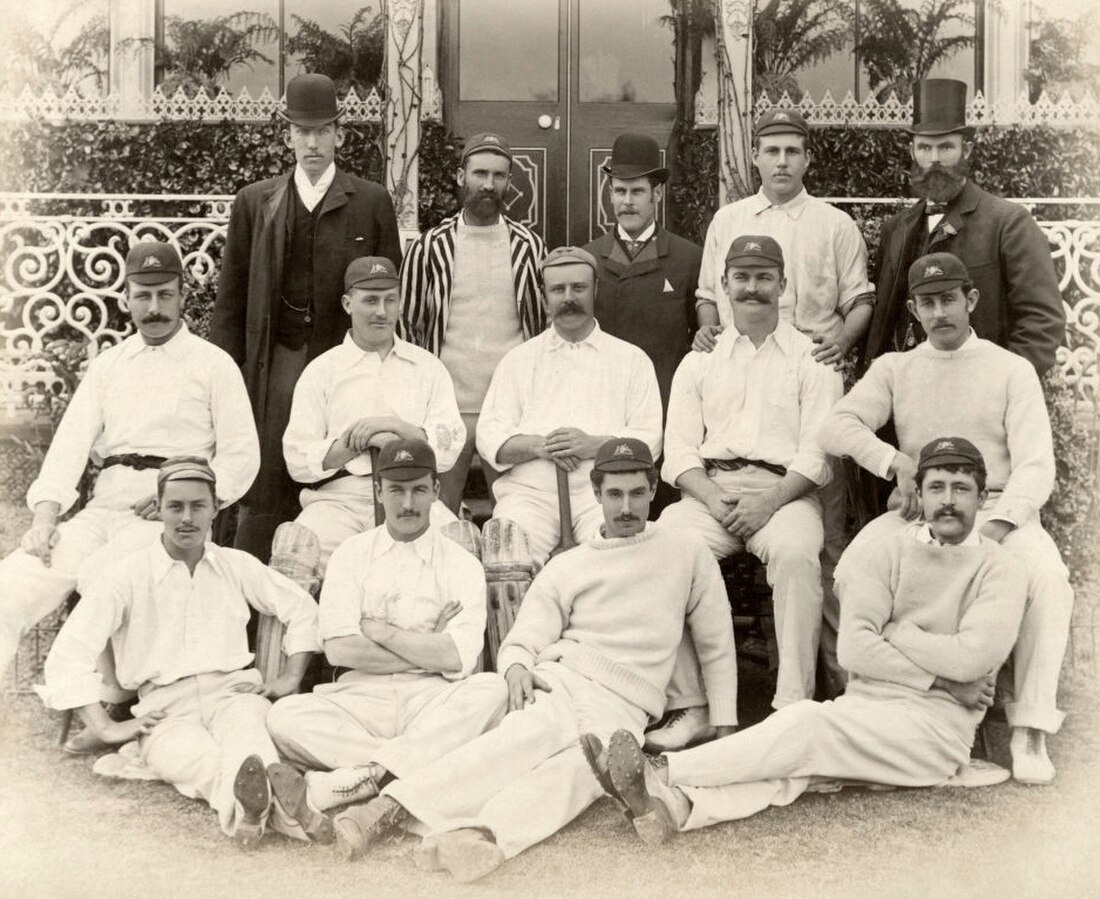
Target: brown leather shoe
column 252, row 791
column 289, row 787
column 467, row 854
column 359, row 827
column 655, row 810
column 597, row 758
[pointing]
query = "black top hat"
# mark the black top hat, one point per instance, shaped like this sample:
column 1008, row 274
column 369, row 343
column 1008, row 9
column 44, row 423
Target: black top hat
column 310, row 101
column 939, row 107
column 635, row 155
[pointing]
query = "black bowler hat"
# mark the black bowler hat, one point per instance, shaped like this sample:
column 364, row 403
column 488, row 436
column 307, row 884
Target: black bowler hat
column 310, row 101
column 635, row 155
column 939, row 107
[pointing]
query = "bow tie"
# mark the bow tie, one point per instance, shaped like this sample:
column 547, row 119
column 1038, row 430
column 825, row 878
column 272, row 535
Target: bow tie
column 935, row 209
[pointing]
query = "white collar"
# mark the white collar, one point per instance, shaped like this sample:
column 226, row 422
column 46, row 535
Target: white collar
column 647, row 233
column 924, row 535
column 308, row 190
column 423, row 546
column 594, row 339
column 793, row 207
column 162, row 562
column 351, row 353
column 781, row 337
column 175, row 346
column 972, row 342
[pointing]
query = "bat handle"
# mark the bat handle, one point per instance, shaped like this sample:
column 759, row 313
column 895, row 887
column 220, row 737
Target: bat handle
column 379, row 509
column 565, row 514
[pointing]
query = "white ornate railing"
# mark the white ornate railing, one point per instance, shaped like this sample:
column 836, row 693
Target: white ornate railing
column 1064, row 111
column 80, row 106
column 61, row 274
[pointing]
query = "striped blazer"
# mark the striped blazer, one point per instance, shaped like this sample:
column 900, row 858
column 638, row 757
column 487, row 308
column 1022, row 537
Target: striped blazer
column 426, row 273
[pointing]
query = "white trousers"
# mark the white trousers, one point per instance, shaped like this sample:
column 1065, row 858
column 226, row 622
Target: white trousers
column 1028, row 682
column 907, row 743
column 790, row 545
column 399, row 721
column 527, row 778
column 90, row 540
column 536, row 511
column 208, row 731
column 344, row 508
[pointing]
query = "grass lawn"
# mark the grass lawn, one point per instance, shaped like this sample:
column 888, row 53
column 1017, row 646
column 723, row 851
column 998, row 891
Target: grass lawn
column 67, row 833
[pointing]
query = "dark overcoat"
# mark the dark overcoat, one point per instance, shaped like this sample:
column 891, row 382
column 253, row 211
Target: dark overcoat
column 1008, row 257
column 356, row 219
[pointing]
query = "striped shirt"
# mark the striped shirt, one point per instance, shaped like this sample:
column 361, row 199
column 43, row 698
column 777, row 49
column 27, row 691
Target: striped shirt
column 426, row 282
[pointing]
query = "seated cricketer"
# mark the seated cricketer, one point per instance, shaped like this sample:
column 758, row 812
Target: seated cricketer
column 175, row 614
column 591, row 649
column 741, row 445
column 403, row 612
column 555, row 399
column 372, row 388
column 160, row 392
column 923, row 626
column 956, row 382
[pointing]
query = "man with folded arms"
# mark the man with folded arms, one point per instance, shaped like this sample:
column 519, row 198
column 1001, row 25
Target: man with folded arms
column 160, row 392
column 371, row 389
column 403, row 609
column 923, row 626
column 175, row 614
column 555, row 399
column 958, row 382
column 591, row 649
column 741, row 445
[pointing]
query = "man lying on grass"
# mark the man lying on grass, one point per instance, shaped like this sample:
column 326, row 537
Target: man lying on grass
column 175, row 615
column 923, row 629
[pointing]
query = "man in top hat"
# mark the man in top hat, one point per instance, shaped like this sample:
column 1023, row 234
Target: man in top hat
column 471, row 291
column 741, row 445
column 827, row 297
column 590, row 651
column 923, row 625
column 402, row 612
column 175, row 612
column 1006, row 254
column 371, row 389
column 647, row 275
column 959, row 383
column 289, row 242
column 160, row 392
column 554, row 399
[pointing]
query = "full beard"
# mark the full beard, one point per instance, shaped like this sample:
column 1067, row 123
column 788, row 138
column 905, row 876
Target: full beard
column 482, row 204
column 939, row 183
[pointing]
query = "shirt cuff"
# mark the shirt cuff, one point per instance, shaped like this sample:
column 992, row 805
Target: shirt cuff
column 71, row 694
column 49, row 493
column 1016, row 510
column 883, row 469
column 723, row 710
column 704, row 301
column 301, row 640
column 314, row 456
column 812, row 467
column 514, row 655
column 676, row 465
column 336, row 632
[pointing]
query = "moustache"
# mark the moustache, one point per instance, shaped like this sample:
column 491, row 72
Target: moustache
column 626, row 519
column 155, row 319
column 946, row 512
column 567, row 308
column 408, row 514
column 480, row 198
column 939, row 183
column 753, row 296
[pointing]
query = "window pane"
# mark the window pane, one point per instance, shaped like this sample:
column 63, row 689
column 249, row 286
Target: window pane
column 47, row 44
column 206, row 44
column 626, row 51
column 344, row 39
column 508, row 50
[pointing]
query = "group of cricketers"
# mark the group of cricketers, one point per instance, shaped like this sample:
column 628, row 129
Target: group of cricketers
column 667, row 405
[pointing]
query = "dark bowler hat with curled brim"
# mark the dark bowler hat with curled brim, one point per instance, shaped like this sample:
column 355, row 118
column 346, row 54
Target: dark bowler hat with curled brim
column 310, row 101
column 634, row 156
column 939, row 107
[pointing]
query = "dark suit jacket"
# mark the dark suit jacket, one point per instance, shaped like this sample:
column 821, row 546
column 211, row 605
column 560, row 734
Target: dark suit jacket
column 650, row 301
column 357, row 219
column 1019, row 304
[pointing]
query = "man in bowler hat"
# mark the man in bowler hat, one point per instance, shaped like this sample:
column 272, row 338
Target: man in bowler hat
column 289, row 242
column 1006, row 254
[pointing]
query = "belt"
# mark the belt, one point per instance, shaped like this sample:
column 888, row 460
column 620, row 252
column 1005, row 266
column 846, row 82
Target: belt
column 137, row 461
column 737, row 464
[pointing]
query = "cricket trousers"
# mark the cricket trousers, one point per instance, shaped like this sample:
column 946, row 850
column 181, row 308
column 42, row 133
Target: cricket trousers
column 536, row 512
column 527, row 778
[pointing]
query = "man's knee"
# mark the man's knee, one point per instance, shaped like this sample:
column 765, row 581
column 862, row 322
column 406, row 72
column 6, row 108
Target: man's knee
column 284, row 718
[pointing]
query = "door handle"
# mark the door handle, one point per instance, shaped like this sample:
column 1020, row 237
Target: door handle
column 546, row 122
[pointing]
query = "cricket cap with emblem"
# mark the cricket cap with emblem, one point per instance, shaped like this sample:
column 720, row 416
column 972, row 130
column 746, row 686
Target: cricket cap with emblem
column 153, row 262
column 406, row 460
column 937, row 272
column 488, row 142
column 623, row 454
column 755, row 250
column 568, row 256
column 949, row 451
column 939, row 107
column 310, row 101
column 633, row 156
column 781, row 121
column 370, row 273
column 184, row 468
